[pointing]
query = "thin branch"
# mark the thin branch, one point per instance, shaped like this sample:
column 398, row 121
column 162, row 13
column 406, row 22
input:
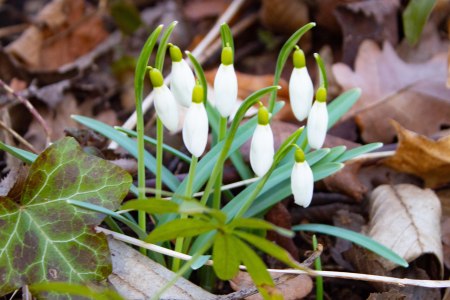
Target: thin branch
column 332, row 274
column 18, row 137
column 30, row 107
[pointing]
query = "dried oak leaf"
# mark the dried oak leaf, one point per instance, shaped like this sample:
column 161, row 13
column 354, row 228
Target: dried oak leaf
column 42, row 237
column 67, row 30
column 406, row 219
column 393, row 89
column 421, row 156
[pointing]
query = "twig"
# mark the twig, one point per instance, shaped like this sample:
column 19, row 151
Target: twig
column 18, row 137
column 374, row 155
column 30, row 107
column 332, row 274
column 208, row 39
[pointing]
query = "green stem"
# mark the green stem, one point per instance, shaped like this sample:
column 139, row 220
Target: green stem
column 318, row 267
column 179, row 244
column 159, row 156
column 218, row 184
column 184, row 269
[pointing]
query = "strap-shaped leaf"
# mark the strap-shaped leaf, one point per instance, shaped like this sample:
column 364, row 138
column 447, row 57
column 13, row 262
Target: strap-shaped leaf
column 253, row 223
column 152, row 206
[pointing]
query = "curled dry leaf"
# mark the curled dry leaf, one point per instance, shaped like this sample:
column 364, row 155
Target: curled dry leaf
column 421, row 156
column 406, row 219
column 57, row 42
column 393, row 89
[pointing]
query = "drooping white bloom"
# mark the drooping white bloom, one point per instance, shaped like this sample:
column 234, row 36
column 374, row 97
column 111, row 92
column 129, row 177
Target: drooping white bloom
column 302, row 180
column 195, row 128
column 182, row 80
column 317, row 124
column 225, row 84
column 165, row 105
column 301, row 90
column 262, row 147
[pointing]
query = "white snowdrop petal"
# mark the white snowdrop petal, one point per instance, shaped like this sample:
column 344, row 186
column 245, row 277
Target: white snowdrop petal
column 225, row 90
column 182, row 82
column 317, row 124
column 262, row 150
column 301, row 92
column 302, row 183
column 195, row 129
column 166, row 107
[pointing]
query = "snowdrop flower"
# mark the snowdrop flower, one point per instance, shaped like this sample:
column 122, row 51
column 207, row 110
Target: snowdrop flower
column 182, row 80
column 165, row 104
column 301, row 90
column 195, row 128
column 318, row 120
column 262, row 146
column 225, row 84
column 302, row 180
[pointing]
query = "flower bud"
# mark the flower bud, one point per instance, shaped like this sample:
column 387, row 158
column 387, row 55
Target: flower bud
column 302, row 180
column 225, row 84
column 195, row 127
column 262, row 146
column 165, row 105
column 182, row 80
column 301, row 90
column 318, row 120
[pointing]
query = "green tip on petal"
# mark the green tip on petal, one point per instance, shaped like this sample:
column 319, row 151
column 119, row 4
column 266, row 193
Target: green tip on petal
column 263, row 115
column 197, row 93
column 175, row 53
column 227, row 56
column 299, row 58
column 156, row 77
column 321, row 94
column 299, row 155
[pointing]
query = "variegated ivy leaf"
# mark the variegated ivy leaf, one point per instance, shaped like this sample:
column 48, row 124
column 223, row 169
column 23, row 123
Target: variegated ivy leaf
column 42, row 237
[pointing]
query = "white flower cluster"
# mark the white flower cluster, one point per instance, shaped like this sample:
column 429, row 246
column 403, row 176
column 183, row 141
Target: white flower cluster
column 187, row 93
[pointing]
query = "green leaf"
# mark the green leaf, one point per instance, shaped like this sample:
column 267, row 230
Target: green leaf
column 161, row 53
column 130, row 145
column 125, row 15
column 324, row 170
column 152, row 206
column 342, row 104
column 152, row 141
column 75, row 290
column 255, row 266
column 25, row 156
column 414, row 18
column 179, row 228
column 253, row 223
column 225, row 256
column 322, row 71
column 42, row 238
column 352, row 153
column 285, row 51
column 268, row 247
column 334, row 153
column 356, row 238
column 227, row 36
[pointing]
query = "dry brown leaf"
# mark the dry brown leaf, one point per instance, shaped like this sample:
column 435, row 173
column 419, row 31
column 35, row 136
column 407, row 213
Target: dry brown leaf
column 346, row 181
column 69, row 30
column 421, row 156
column 135, row 276
column 412, row 94
column 284, row 16
column 361, row 20
column 292, row 287
column 406, row 219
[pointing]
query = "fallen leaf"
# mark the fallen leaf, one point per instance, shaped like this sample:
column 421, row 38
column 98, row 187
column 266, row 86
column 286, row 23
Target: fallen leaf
column 132, row 272
column 412, row 94
column 361, row 20
column 291, row 287
column 446, row 241
column 421, row 156
column 43, row 238
column 69, row 30
column 347, row 181
column 406, row 219
column 284, row 16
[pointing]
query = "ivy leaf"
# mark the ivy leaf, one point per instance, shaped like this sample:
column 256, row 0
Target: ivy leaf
column 42, row 237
